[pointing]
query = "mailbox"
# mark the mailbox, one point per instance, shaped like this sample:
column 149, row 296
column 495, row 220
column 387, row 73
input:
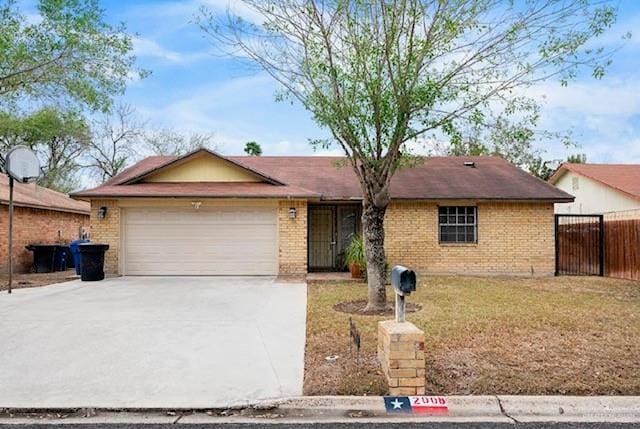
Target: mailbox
column 403, row 280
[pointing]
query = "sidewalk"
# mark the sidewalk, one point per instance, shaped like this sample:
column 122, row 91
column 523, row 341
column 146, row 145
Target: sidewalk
column 355, row 410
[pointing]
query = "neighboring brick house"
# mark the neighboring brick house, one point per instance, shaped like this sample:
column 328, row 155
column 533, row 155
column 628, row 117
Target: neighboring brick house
column 41, row 215
column 205, row 214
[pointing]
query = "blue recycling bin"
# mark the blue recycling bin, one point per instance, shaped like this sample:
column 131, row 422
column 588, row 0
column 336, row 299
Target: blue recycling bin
column 75, row 251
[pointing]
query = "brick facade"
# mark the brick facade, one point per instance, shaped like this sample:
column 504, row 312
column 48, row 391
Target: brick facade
column 513, row 239
column 32, row 225
column 292, row 234
column 107, row 231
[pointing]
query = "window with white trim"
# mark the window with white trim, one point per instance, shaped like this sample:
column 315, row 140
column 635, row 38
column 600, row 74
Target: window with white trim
column 458, row 224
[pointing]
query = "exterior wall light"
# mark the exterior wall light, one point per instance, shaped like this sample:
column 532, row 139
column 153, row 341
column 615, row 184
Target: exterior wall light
column 293, row 212
column 102, row 212
column 196, row 204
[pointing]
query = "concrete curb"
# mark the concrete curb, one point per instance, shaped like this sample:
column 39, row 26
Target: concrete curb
column 571, row 408
column 353, row 409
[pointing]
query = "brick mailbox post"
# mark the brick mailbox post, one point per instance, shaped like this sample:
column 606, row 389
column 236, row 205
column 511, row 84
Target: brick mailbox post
column 401, row 343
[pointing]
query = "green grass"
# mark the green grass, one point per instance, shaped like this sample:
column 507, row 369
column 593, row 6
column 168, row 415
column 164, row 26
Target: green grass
column 566, row 335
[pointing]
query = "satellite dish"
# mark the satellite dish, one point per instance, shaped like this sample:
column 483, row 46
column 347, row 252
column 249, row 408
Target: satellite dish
column 22, row 164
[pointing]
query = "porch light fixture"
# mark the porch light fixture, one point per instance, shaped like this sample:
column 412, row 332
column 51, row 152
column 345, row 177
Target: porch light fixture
column 102, row 212
column 196, row 204
column 293, row 212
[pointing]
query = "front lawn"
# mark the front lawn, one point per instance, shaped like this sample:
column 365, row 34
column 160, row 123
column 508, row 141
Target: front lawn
column 565, row 335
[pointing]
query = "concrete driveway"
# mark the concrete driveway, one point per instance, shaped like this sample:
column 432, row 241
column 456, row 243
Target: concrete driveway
column 159, row 342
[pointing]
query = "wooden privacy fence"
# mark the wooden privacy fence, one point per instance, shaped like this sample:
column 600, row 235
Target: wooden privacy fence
column 606, row 245
column 622, row 245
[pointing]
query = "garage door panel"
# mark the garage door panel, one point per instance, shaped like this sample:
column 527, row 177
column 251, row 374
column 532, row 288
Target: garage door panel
column 218, row 241
column 250, row 256
column 198, row 232
column 231, row 215
column 222, row 269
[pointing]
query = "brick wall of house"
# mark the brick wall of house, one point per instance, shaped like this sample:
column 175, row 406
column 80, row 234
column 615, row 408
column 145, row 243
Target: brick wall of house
column 292, row 238
column 513, row 239
column 35, row 226
column 107, row 231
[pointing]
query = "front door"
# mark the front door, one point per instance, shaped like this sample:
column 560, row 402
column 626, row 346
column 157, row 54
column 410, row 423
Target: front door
column 322, row 242
column 331, row 229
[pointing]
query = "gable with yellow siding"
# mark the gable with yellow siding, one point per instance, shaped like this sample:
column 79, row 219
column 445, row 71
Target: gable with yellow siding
column 204, row 168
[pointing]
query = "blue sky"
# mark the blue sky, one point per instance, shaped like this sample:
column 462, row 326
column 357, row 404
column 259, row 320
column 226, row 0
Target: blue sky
column 194, row 90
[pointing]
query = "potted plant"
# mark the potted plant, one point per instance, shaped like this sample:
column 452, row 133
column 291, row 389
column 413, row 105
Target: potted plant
column 354, row 257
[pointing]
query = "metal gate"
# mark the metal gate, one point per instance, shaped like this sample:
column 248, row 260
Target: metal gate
column 579, row 245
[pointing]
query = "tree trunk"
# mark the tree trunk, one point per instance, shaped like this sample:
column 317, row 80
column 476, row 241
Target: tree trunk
column 373, row 237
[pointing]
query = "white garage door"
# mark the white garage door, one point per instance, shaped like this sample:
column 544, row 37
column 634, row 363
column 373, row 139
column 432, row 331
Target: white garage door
column 207, row 241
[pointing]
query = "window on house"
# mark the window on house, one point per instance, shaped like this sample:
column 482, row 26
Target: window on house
column 458, row 224
column 575, row 183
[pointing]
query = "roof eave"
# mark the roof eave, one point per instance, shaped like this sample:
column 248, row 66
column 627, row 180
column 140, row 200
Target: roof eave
column 557, row 174
column 50, row 208
column 191, row 196
column 328, row 198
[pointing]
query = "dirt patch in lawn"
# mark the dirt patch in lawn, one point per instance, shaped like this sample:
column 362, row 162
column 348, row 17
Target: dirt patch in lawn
column 25, row 280
column 358, row 307
column 534, row 336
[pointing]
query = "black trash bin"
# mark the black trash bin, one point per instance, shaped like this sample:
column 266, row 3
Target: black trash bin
column 60, row 261
column 43, row 257
column 92, row 261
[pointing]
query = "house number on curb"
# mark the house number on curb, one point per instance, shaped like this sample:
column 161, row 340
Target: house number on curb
column 416, row 404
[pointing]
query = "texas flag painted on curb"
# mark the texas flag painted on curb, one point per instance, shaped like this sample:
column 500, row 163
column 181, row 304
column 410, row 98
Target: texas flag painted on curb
column 416, row 404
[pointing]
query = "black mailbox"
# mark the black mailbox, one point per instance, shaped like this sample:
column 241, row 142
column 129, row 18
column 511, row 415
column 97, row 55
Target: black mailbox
column 403, row 280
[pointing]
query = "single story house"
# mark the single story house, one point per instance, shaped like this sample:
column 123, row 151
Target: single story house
column 207, row 214
column 598, row 188
column 41, row 215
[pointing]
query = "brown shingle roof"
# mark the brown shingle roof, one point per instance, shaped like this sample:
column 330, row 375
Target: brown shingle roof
column 437, row 178
column 621, row 177
column 32, row 195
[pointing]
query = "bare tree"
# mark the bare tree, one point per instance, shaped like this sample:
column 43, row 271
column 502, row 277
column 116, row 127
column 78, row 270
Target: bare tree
column 116, row 142
column 379, row 74
column 171, row 142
